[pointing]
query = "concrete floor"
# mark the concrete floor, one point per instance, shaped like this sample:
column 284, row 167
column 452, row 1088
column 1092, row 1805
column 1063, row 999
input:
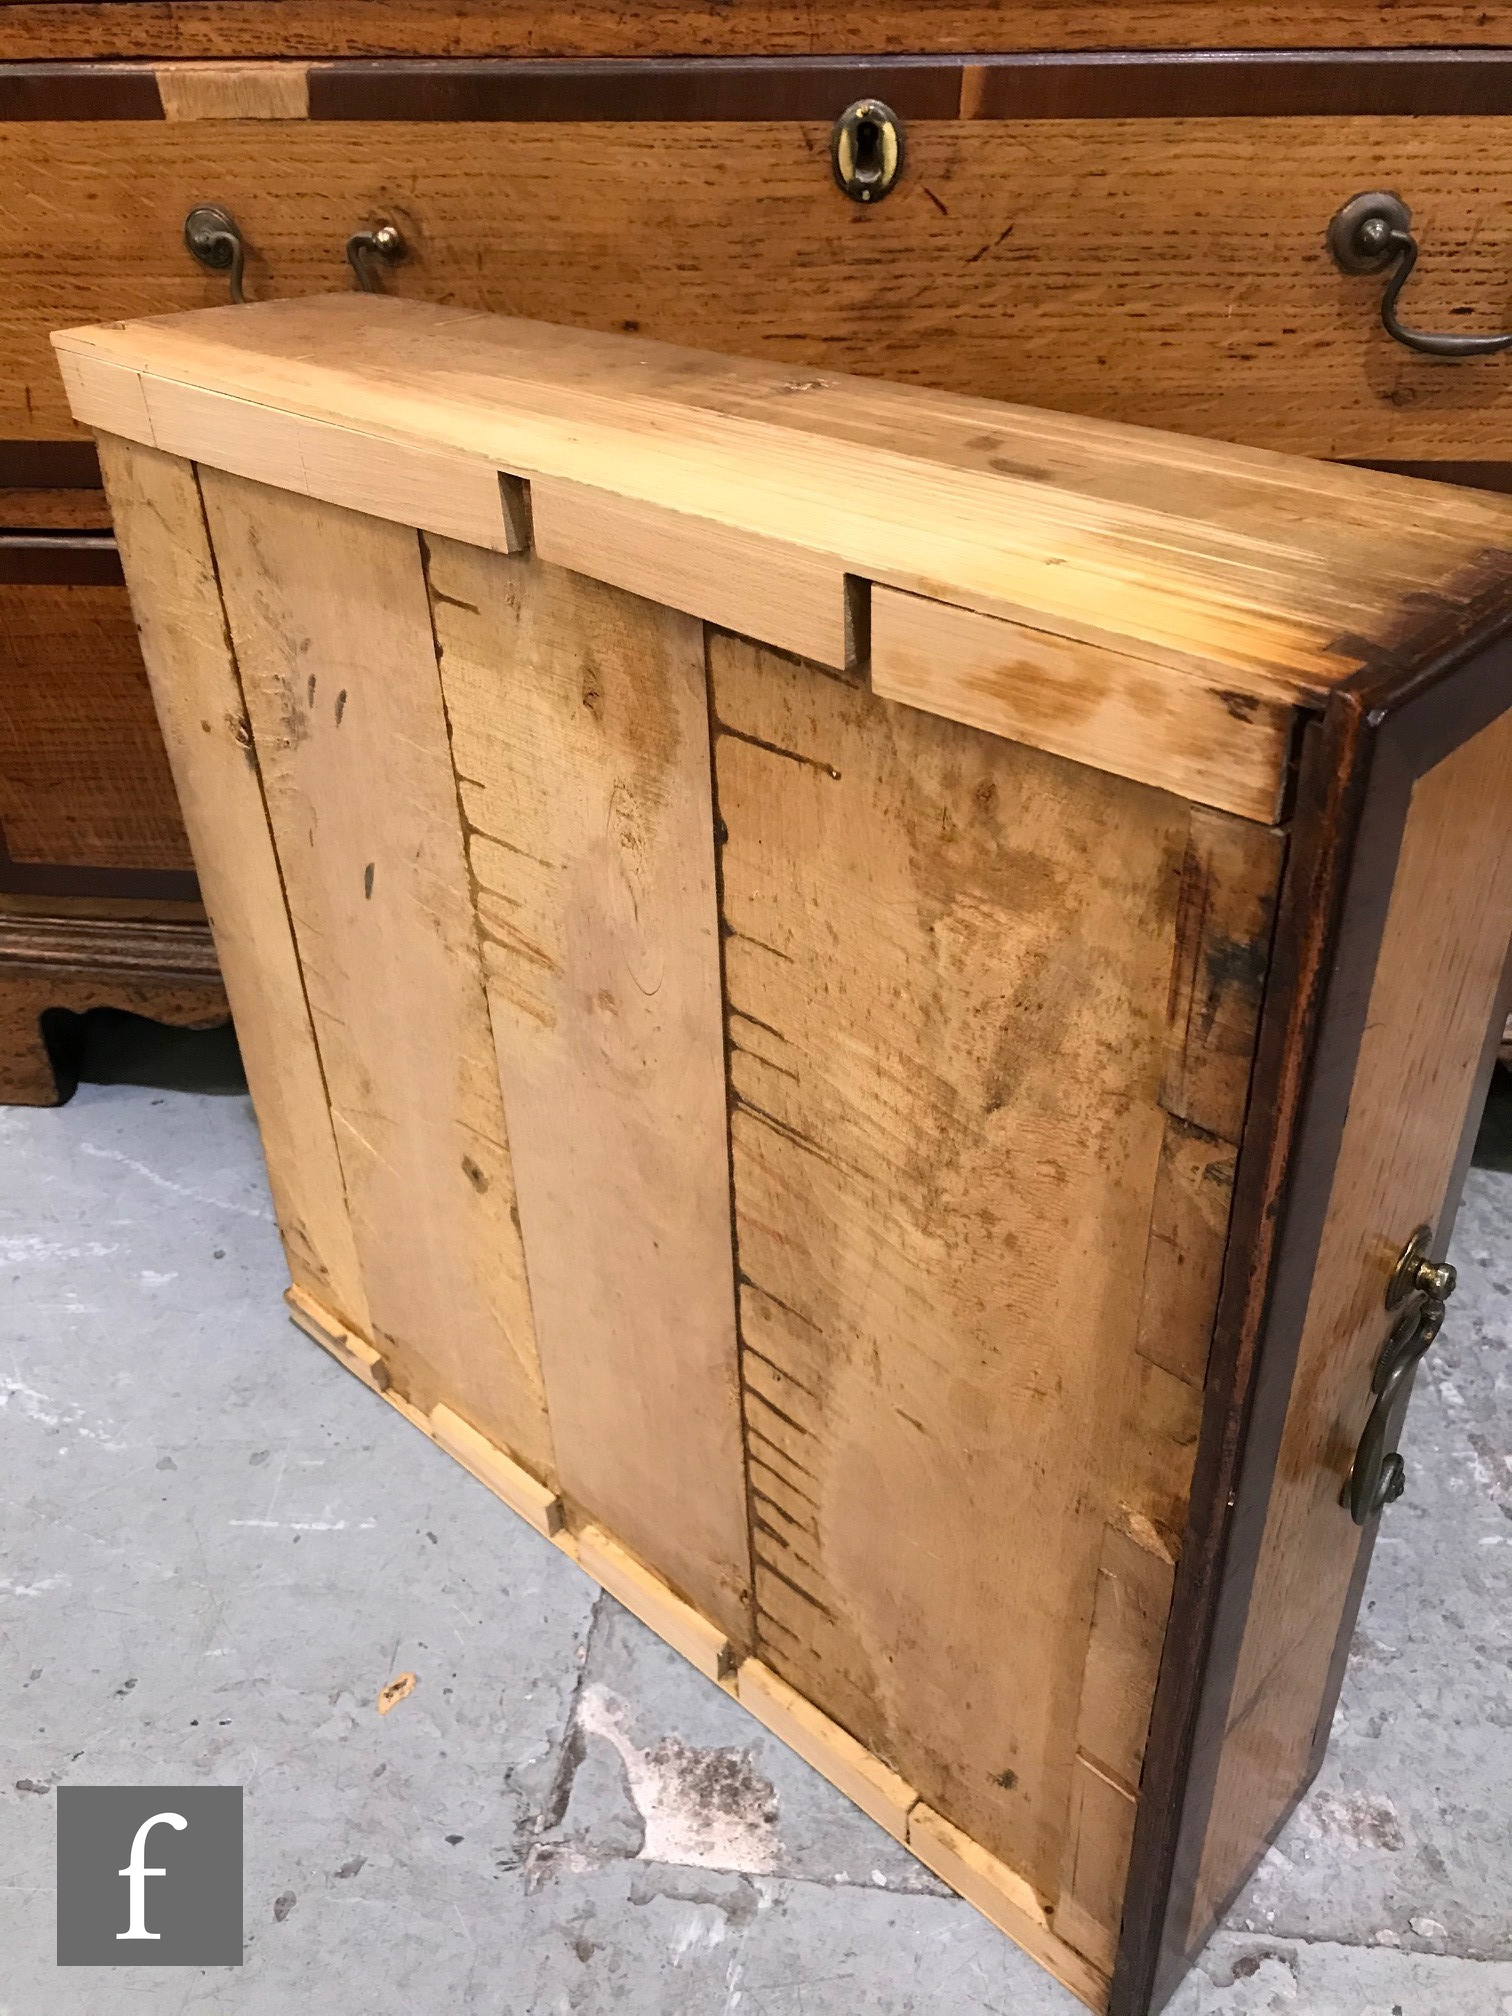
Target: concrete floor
column 217, row 1547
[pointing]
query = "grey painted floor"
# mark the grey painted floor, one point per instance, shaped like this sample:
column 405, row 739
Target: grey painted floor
column 217, row 1547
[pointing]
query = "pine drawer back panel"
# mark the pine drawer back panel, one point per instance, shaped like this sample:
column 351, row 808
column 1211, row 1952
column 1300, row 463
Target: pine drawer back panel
column 797, row 977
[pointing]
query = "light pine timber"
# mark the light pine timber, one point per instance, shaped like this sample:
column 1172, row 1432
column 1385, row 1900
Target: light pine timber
column 331, row 625
column 463, row 496
column 1431, row 1002
column 234, row 90
column 196, row 684
column 1077, row 699
column 1265, row 580
column 947, row 965
column 1090, row 1909
column 1109, row 240
column 580, row 735
column 795, row 599
column 1004, row 1897
column 343, row 1343
column 881, row 1793
column 646, row 1594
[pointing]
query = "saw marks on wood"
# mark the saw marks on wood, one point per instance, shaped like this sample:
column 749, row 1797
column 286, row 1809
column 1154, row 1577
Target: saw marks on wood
column 947, row 963
column 331, row 625
column 581, row 742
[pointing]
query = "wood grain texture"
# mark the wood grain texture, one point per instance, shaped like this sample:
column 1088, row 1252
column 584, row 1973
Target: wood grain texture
column 580, row 736
column 207, row 28
column 331, row 627
column 1123, row 1658
column 54, row 510
column 647, row 1596
column 1079, row 700
column 880, row 1793
column 1436, row 980
column 457, row 496
column 83, row 777
column 762, row 587
column 1189, row 1226
column 1097, row 1864
column 1274, row 580
column 944, row 1164
column 1004, row 1897
column 163, row 969
column 1229, row 881
column 1087, row 265
column 165, row 549
column 233, row 90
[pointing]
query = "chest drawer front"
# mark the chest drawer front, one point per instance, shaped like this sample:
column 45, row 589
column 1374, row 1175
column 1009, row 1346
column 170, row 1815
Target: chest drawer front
column 86, row 801
column 1166, row 270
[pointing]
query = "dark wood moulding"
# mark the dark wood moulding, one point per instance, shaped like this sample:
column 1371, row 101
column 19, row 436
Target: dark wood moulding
column 1117, row 84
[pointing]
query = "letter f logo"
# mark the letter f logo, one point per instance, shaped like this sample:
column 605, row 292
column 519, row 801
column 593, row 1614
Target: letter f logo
column 137, row 1875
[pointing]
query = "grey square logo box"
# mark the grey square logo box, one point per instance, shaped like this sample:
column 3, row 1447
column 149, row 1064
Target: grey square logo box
column 149, row 1875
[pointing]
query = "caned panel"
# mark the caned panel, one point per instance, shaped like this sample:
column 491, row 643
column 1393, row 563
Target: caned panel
column 581, row 741
column 331, row 625
column 949, row 962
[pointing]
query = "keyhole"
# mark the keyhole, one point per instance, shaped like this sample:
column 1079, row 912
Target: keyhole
column 868, row 168
column 866, row 150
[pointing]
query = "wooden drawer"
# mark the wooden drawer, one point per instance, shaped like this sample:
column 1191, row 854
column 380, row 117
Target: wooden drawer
column 1142, row 240
column 1056, row 948
column 86, row 801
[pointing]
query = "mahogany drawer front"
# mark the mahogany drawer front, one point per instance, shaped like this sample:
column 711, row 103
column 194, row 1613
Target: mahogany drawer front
column 87, row 807
column 1168, row 270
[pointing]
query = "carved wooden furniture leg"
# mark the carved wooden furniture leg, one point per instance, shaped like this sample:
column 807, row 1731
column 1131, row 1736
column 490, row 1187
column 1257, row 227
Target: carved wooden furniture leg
column 167, row 972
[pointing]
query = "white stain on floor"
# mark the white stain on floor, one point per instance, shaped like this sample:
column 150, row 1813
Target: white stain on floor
column 704, row 1809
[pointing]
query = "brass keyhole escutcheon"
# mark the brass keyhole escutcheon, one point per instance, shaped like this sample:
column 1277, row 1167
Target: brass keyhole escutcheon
column 866, row 150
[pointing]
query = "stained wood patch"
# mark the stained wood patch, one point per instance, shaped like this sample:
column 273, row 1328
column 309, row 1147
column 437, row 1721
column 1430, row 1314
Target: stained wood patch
column 165, row 550
column 1229, row 880
column 581, row 741
column 947, row 960
column 331, row 624
column 1183, row 1269
column 1078, row 699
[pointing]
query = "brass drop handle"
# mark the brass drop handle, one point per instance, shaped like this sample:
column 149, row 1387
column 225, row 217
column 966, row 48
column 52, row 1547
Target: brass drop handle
column 1378, row 1475
column 214, row 238
column 366, row 248
column 1372, row 232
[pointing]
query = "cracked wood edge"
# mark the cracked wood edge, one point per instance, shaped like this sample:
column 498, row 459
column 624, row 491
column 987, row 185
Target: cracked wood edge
column 990, row 1886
